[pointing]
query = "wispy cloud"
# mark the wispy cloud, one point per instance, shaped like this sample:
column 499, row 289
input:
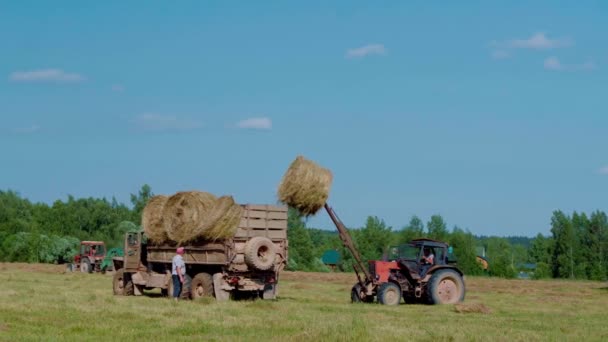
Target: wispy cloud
column 554, row 64
column 119, row 88
column 538, row 41
column 27, row 130
column 255, row 123
column 370, row 49
column 500, row 54
column 158, row 122
column 603, row 170
column 46, row 75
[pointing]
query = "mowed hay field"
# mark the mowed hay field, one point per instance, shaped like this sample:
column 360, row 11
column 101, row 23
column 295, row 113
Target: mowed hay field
column 41, row 302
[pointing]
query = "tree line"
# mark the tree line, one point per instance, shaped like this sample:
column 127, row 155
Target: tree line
column 576, row 248
column 38, row 232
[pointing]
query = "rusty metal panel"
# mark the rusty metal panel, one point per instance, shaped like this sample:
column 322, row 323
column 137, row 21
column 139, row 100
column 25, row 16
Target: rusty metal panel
column 201, row 253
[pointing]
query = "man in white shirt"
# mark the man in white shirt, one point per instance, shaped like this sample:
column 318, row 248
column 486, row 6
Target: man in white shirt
column 178, row 270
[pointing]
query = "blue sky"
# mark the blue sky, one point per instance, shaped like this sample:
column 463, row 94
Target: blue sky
column 492, row 114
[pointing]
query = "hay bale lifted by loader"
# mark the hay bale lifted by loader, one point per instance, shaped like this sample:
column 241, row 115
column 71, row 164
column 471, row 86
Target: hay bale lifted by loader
column 405, row 274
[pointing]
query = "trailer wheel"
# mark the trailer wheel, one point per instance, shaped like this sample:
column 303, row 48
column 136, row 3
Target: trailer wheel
column 446, row 287
column 202, row 285
column 389, row 294
column 260, row 253
column 186, row 288
column 122, row 284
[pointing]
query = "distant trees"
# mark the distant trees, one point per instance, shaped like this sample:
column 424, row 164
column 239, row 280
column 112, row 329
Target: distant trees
column 577, row 247
column 37, row 232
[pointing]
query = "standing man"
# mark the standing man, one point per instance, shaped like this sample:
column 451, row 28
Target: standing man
column 178, row 270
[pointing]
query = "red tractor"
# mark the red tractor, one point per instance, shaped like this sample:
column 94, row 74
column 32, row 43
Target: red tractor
column 92, row 254
column 418, row 271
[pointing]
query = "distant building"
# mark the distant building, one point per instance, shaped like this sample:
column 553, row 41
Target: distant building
column 331, row 258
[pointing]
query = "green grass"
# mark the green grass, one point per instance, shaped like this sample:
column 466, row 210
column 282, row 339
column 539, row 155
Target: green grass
column 39, row 303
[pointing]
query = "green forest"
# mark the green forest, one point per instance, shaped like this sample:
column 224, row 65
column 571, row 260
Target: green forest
column 577, row 247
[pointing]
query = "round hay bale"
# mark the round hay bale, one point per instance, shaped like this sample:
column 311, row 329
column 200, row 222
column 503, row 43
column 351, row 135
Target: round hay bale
column 152, row 218
column 222, row 220
column 305, row 186
column 183, row 213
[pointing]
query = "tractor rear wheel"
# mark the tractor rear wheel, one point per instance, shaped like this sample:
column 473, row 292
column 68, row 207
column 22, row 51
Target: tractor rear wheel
column 85, row 266
column 202, row 285
column 122, row 284
column 446, row 287
column 389, row 294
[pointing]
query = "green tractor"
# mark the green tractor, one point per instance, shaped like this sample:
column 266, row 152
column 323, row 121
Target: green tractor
column 107, row 265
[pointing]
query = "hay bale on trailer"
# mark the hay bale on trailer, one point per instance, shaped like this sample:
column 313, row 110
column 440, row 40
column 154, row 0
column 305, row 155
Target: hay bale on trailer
column 221, row 221
column 183, row 213
column 152, row 219
column 305, row 186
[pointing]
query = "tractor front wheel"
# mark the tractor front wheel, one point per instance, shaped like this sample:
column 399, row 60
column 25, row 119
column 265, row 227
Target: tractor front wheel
column 389, row 294
column 357, row 297
column 446, row 287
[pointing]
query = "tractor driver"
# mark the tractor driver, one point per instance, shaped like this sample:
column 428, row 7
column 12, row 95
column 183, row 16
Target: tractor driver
column 427, row 260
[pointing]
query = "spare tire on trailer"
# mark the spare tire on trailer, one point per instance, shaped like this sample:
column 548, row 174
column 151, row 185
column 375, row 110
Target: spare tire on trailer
column 260, row 253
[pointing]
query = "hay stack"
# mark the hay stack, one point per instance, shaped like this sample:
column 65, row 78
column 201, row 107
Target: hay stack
column 305, row 186
column 183, row 213
column 152, row 218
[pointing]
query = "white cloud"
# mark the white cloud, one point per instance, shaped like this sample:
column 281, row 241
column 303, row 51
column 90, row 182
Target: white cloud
column 157, row 122
column 255, row 123
column 118, row 88
column 538, row 41
column 553, row 63
column 370, row 49
column 500, row 54
column 27, row 130
column 46, row 75
column 603, row 170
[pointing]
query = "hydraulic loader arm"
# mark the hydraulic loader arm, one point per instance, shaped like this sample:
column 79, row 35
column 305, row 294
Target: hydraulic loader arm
column 358, row 265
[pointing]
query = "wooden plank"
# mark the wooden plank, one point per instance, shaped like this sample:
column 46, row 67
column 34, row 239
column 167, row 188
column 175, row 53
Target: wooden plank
column 259, row 223
column 270, row 215
column 273, row 234
column 265, row 207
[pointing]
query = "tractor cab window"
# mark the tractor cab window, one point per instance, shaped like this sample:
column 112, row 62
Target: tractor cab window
column 132, row 240
column 99, row 250
column 403, row 252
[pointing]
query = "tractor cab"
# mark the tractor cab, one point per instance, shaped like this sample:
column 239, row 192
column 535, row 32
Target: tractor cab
column 90, row 256
column 414, row 252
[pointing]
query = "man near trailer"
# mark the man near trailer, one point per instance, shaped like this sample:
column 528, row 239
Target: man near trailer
column 178, row 270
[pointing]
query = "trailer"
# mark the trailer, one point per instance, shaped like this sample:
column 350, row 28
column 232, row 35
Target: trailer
column 247, row 264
